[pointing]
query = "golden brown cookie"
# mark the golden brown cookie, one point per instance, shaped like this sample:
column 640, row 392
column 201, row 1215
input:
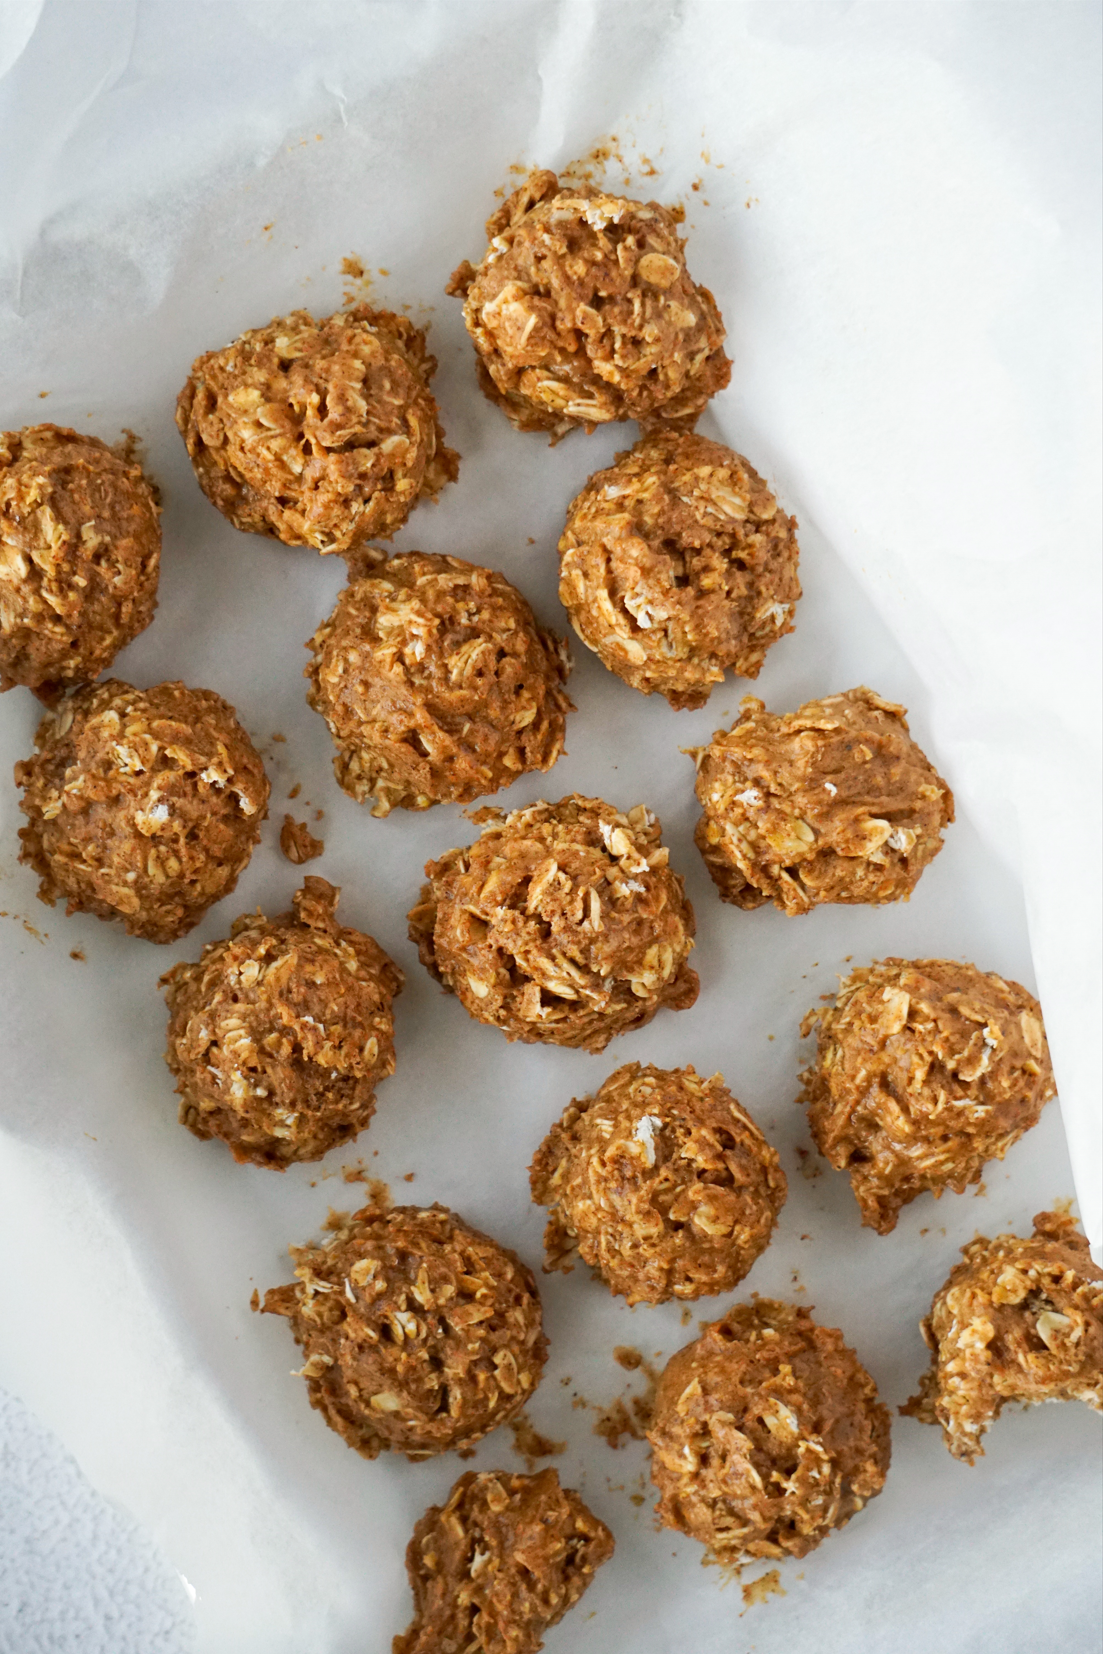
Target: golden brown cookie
column 420, row 1333
column 926, row 1069
column 582, row 311
column 438, row 684
column 661, row 1182
column 562, row 923
column 676, row 566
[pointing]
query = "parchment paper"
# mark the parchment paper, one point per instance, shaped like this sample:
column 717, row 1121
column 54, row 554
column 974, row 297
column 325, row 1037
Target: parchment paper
column 896, row 208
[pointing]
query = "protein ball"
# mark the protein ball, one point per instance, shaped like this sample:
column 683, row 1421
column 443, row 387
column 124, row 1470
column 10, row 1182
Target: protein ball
column 583, row 311
column 420, row 1333
column 80, row 553
column 676, row 565
column 831, row 803
column 143, row 805
column 562, row 923
column 925, row 1070
column 1017, row 1321
column 318, row 433
column 767, row 1434
column 438, row 684
column 499, row 1564
column 279, row 1036
column 662, row 1183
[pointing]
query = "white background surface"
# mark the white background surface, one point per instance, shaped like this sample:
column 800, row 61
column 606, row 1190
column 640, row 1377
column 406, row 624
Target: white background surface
column 902, row 231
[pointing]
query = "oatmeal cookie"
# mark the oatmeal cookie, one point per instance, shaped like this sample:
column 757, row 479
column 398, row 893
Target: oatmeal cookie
column 499, row 1563
column 582, row 311
column 562, row 923
column 142, row 804
column 279, row 1036
column 318, row 433
column 420, row 1333
column 926, row 1069
column 438, row 684
column 1017, row 1321
column 662, row 1183
column 80, row 553
column 676, row 565
column 831, row 803
column 767, row 1434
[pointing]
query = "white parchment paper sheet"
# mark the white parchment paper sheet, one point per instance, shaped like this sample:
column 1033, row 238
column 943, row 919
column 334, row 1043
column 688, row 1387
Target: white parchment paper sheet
column 896, row 206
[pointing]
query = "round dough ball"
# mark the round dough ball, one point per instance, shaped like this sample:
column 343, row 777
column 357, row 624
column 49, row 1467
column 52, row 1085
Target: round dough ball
column 438, row 684
column 420, row 1333
column 831, row 803
column 279, row 1036
column 676, row 565
column 562, row 923
column 662, row 1183
column 1017, row 1321
column 499, row 1564
column 80, row 553
column 583, row 311
column 925, row 1070
column 767, row 1434
column 142, row 804
column 320, row 434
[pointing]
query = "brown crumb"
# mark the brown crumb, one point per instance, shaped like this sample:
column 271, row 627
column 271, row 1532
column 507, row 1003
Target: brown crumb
column 687, row 1315
column 408, row 1177
column 615, row 1422
column 76, row 953
column 296, row 790
column 638, row 1498
column 766, row 1585
column 981, row 1189
column 627, row 1357
column 254, row 1302
column 298, row 843
column 352, row 266
column 529, row 1444
column 278, row 738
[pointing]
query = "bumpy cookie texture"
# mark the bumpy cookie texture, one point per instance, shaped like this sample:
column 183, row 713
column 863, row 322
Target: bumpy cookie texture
column 1017, row 1321
column 80, row 552
column 925, row 1070
column 661, row 1182
column 562, row 923
column 143, row 805
column 499, row 1563
column 767, row 1434
column 831, row 803
column 420, row 1333
column 438, row 684
column 318, row 433
column 279, row 1036
column 677, row 565
column 582, row 311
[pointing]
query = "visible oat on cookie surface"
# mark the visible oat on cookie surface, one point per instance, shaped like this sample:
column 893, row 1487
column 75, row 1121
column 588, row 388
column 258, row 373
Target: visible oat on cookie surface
column 767, row 1435
column 676, row 565
column 661, row 1182
column 279, row 1035
column 499, row 1563
column 80, row 551
column 1020, row 1320
column 419, row 1333
column 562, row 923
column 926, row 1069
column 143, row 805
column 438, row 684
column 582, row 311
column 318, row 433
column 832, row 803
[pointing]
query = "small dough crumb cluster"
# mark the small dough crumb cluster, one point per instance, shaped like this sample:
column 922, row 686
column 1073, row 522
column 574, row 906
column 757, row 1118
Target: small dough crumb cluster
column 499, row 1564
column 318, row 433
column 142, row 804
column 1018, row 1321
column 562, row 923
column 80, row 552
column 298, row 843
column 438, row 684
column 420, row 1333
column 767, row 1434
column 662, row 1183
column 582, row 311
column 279, row 1036
column 925, row 1070
column 831, row 803
column 676, row 566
